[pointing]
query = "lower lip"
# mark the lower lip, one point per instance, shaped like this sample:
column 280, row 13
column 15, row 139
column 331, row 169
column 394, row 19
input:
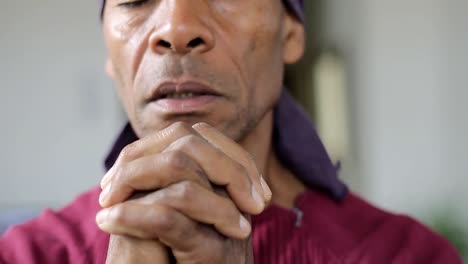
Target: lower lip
column 184, row 105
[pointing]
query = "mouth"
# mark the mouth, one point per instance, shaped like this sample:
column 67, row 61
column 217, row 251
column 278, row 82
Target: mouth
column 183, row 97
column 185, row 90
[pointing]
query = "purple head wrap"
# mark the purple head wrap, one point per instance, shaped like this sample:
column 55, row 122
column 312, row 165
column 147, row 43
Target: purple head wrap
column 294, row 6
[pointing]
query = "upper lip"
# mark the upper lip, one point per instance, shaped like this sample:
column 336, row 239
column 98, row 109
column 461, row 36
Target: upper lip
column 166, row 88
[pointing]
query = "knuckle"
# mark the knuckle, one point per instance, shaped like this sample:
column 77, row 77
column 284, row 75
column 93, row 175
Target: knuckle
column 185, row 190
column 192, row 139
column 189, row 141
column 130, row 151
column 177, row 160
column 123, row 176
column 165, row 220
column 182, row 166
column 120, row 171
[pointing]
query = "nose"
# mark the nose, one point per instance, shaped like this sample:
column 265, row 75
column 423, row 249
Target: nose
column 182, row 30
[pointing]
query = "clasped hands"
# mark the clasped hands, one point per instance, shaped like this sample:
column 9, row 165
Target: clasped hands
column 186, row 188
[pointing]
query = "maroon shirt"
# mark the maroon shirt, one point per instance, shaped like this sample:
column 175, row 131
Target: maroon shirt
column 327, row 232
column 328, row 224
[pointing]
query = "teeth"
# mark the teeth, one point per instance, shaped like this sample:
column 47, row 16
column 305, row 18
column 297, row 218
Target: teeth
column 180, row 95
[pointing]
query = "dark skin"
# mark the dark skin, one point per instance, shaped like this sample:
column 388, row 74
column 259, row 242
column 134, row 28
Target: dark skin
column 201, row 157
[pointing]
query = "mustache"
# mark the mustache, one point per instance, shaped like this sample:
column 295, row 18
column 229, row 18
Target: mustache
column 176, row 68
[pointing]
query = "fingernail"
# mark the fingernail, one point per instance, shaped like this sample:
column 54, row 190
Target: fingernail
column 266, row 190
column 258, row 199
column 104, row 194
column 244, row 225
column 101, row 216
column 201, row 124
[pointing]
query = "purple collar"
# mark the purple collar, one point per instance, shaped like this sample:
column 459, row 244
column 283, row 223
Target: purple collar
column 296, row 142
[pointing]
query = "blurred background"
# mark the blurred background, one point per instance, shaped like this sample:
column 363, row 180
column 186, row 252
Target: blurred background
column 385, row 82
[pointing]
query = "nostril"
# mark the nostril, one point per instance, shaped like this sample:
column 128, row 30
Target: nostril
column 164, row 44
column 195, row 43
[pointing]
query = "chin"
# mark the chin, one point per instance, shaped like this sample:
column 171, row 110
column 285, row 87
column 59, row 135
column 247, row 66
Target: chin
column 147, row 127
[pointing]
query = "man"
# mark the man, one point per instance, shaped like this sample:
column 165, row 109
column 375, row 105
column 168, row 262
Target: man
column 218, row 164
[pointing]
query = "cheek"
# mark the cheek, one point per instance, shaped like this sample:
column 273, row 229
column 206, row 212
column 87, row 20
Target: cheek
column 261, row 65
column 119, row 39
column 123, row 82
column 126, row 96
column 123, row 85
column 268, row 67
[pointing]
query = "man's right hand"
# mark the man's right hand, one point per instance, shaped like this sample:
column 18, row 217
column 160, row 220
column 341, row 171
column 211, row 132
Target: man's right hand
column 179, row 168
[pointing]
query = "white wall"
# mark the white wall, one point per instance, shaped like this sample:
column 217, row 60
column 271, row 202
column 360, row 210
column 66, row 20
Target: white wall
column 58, row 111
column 409, row 69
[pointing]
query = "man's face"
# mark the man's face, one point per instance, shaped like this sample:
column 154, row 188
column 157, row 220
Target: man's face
column 219, row 62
